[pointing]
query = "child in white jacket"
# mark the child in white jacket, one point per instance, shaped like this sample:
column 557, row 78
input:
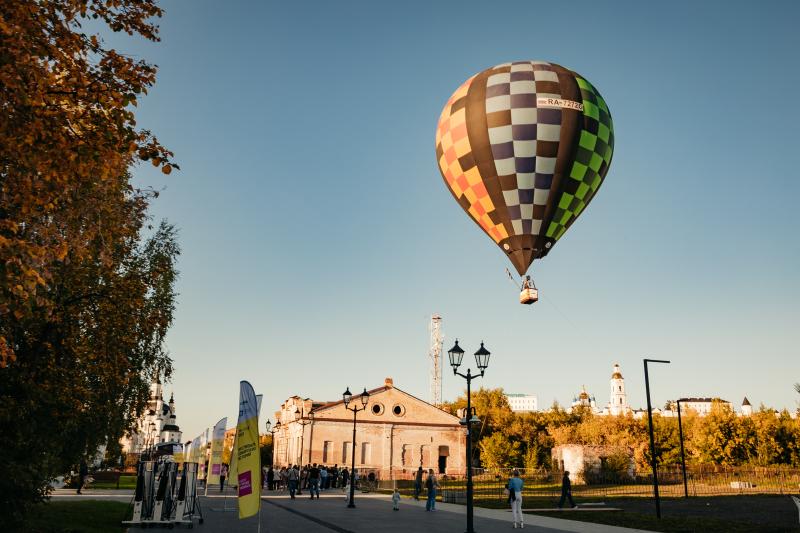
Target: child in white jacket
column 396, row 500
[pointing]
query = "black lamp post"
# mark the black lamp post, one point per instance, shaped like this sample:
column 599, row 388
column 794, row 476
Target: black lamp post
column 275, row 430
column 347, row 397
column 683, row 456
column 456, row 354
column 303, row 421
column 653, row 456
column 151, row 437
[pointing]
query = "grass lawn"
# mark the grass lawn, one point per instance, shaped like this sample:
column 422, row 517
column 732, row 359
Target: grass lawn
column 720, row 514
column 76, row 517
column 125, row 482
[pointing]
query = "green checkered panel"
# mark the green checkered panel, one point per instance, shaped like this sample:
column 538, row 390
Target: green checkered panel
column 592, row 159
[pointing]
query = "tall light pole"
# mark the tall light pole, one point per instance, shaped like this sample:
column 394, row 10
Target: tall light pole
column 275, row 430
column 456, row 354
column 347, row 397
column 268, row 426
column 653, row 457
column 151, row 437
column 683, row 456
column 303, row 420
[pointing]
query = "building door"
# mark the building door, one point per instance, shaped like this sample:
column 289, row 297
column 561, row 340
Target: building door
column 444, row 452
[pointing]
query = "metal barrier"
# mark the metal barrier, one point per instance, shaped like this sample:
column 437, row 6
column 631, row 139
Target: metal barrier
column 702, row 480
column 161, row 499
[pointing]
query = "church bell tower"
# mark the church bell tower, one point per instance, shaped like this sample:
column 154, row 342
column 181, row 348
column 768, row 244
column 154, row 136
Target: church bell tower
column 619, row 400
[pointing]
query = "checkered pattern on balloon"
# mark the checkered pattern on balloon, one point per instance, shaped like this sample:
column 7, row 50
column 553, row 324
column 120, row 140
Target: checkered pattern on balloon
column 524, row 147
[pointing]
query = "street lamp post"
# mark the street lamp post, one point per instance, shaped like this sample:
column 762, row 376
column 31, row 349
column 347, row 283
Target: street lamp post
column 303, row 420
column 683, row 456
column 653, row 456
column 347, row 397
column 275, row 430
column 151, row 437
column 456, row 354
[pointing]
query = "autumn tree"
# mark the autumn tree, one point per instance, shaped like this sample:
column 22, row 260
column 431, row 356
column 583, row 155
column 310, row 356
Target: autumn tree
column 86, row 286
column 67, row 127
column 498, row 451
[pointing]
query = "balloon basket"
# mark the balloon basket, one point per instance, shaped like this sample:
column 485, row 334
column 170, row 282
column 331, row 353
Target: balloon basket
column 528, row 296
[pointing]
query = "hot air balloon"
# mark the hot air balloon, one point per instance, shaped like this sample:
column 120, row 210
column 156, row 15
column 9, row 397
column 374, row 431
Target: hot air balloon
column 523, row 148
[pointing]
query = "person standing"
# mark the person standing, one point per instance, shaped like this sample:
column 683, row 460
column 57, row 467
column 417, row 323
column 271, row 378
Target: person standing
column 223, row 473
column 566, row 491
column 396, row 500
column 333, row 477
column 83, row 471
column 431, row 484
column 323, row 477
column 302, row 481
column 313, row 480
column 345, row 478
column 294, row 477
column 270, row 479
column 283, row 477
column 418, row 483
column 515, row 498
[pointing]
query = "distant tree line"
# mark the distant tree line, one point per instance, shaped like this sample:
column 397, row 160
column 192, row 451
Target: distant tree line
column 507, row 439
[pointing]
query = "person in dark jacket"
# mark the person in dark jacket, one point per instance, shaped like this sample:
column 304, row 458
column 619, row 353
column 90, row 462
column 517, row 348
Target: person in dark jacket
column 418, row 483
column 271, row 479
column 83, row 471
column 566, row 491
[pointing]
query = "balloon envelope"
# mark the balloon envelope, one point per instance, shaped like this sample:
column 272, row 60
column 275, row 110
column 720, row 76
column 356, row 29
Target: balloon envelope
column 523, row 148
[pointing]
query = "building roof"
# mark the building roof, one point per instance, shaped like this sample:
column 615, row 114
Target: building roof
column 702, row 400
column 745, row 401
column 170, row 427
column 388, row 385
column 616, row 375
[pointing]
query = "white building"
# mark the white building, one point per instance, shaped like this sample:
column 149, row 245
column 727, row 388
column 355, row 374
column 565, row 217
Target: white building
column 701, row 406
column 522, row 403
column 618, row 401
column 583, row 399
column 156, row 426
column 747, row 409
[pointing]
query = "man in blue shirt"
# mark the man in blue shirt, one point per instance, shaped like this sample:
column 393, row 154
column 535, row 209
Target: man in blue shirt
column 515, row 498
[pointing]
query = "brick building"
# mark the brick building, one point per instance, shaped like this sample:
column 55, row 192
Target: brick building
column 396, row 434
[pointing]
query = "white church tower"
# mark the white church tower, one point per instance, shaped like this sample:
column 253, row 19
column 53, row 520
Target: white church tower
column 618, row 405
column 747, row 409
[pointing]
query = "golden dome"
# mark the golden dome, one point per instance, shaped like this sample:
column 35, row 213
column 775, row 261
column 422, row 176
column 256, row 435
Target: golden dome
column 584, row 395
column 616, row 375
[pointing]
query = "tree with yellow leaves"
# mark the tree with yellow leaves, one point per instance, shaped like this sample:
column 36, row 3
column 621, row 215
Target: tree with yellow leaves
column 85, row 298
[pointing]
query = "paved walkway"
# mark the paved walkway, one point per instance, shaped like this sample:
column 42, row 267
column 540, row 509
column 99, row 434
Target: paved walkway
column 373, row 513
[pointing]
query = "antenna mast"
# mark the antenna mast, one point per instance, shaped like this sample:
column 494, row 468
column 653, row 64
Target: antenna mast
column 435, row 355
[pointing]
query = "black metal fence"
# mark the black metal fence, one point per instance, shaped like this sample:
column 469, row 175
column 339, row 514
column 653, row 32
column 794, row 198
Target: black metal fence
column 701, row 480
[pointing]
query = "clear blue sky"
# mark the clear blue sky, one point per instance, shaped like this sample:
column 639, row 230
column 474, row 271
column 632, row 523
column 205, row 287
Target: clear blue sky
column 318, row 235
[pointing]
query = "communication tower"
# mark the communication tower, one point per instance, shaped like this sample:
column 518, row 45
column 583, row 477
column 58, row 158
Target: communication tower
column 435, row 355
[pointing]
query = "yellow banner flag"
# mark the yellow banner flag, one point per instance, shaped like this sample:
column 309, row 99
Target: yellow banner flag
column 248, row 457
column 217, row 442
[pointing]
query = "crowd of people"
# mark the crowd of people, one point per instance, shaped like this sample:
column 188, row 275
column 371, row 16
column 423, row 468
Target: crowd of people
column 313, row 478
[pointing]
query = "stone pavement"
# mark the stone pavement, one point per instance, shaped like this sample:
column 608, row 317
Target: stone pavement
column 373, row 513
